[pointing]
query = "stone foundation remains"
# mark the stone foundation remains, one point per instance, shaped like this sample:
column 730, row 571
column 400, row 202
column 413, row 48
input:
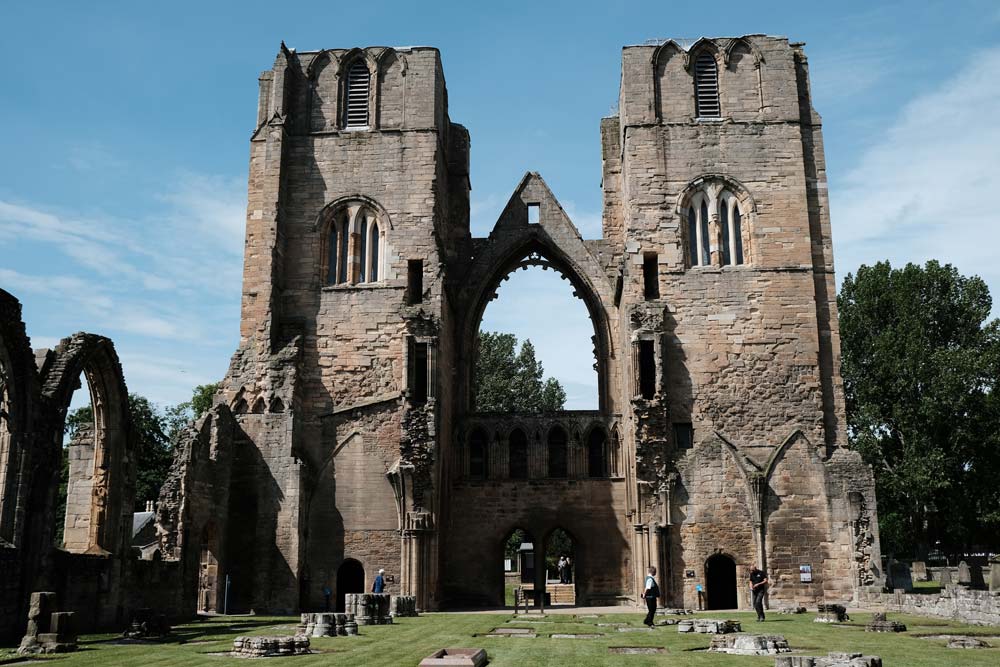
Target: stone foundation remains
column 402, row 606
column 741, row 644
column 270, row 647
column 880, row 623
column 832, row 660
column 708, row 626
column 954, row 603
column 48, row 631
column 831, row 613
column 369, row 608
column 327, row 624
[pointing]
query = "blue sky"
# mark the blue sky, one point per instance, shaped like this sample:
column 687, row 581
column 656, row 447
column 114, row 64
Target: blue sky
column 122, row 188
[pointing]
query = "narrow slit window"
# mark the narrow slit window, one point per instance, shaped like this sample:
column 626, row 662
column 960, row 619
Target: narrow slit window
column 342, row 255
column 706, row 83
column 363, row 253
column 683, row 436
column 419, row 375
column 534, row 214
column 738, row 234
column 650, row 276
column 706, row 256
column 692, row 237
column 415, row 281
column 331, row 255
column 597, row 455
column 358, row 82
column 373, row 248
column 647, row 369
column 724, row 226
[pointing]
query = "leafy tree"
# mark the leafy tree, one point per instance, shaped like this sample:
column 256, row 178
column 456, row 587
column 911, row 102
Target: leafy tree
column 921, row 367
column 511, row 380
column 180, row 415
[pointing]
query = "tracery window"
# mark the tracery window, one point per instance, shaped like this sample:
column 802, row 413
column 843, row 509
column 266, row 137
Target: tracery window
column 716, row 232
column 354, row 245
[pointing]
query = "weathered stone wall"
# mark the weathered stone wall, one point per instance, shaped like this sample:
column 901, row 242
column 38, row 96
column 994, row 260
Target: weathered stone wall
column 955, row 603
column 348, row 458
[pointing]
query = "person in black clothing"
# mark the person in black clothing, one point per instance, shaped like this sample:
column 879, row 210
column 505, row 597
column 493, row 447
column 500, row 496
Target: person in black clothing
column 758, row 589
column 650, row 592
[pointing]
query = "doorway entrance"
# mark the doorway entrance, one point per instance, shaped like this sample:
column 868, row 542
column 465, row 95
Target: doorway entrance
column 560, row 568
column 720, row 580
column 350, row 579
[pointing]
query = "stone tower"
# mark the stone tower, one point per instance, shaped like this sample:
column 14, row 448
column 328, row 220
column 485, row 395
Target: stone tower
column 346, row 438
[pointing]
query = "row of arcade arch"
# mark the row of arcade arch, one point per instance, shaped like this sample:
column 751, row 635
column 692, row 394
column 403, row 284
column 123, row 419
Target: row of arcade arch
column 516, row 455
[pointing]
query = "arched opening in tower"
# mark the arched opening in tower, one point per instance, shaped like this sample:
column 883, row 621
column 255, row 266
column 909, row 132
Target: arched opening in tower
column 536, row 345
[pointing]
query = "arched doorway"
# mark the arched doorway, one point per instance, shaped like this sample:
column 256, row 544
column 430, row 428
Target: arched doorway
column 350, row 579
column 518, row 565
column 720, row 582
column 560, row 568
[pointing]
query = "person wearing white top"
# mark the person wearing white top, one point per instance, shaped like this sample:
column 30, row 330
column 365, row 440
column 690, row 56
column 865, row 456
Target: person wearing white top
column 651, row 593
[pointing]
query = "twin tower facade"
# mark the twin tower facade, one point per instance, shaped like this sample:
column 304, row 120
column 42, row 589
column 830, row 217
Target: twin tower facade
column 346, row 438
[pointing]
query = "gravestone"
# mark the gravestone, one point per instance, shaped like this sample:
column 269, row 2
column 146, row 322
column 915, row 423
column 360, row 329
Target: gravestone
column 946, row 579
column 919, row 571
column 900, row 577
column 995, row 576
column 964, row 574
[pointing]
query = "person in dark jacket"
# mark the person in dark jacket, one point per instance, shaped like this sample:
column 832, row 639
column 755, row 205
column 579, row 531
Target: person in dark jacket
column 378, row 585
column 758, row 589
column 651, row 593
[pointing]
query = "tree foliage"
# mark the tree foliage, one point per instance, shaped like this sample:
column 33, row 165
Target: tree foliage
column 156, row 430
column 511, row 380
column 921, row 367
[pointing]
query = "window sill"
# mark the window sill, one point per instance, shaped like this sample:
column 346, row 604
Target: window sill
column 348, row 287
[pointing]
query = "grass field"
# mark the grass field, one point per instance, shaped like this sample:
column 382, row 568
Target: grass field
column 411, row 639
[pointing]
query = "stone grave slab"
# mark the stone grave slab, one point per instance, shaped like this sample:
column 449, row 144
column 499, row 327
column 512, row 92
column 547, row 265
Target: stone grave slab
column 634, row 629
column 967, row 642
column 582, row 635
column 512, row 632
column 637, row 650
column 455, row 657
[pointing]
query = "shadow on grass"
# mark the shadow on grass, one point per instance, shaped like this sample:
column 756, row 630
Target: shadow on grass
column 199, row 630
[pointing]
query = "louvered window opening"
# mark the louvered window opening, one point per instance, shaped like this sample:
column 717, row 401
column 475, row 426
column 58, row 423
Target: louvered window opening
column 357, row 95
column 706, row 83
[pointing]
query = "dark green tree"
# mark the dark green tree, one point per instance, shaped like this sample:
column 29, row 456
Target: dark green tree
column 921, row 367
column 511, row 380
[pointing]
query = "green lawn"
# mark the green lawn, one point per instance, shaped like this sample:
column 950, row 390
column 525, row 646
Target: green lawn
column 411, row 639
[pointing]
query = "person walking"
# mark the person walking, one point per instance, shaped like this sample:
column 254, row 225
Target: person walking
column 561, row 566
column 378, row 585
column 651, row 593
column 758, row 589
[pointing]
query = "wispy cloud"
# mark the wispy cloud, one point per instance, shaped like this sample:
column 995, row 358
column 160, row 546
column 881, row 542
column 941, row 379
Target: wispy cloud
column 926, row 189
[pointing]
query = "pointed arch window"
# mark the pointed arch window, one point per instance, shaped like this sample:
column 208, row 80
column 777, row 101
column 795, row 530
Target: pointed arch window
column 354, row 245
column 557, row 452
column 363, row 252
column 730, row 222
column 706, row 85
column 517, row 449
column 358, row 83
column 373, row 252
column 478, row 461
column 698, row 239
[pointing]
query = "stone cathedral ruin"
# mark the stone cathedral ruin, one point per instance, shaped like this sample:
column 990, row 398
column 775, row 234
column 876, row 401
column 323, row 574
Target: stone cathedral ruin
column 345, row 437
